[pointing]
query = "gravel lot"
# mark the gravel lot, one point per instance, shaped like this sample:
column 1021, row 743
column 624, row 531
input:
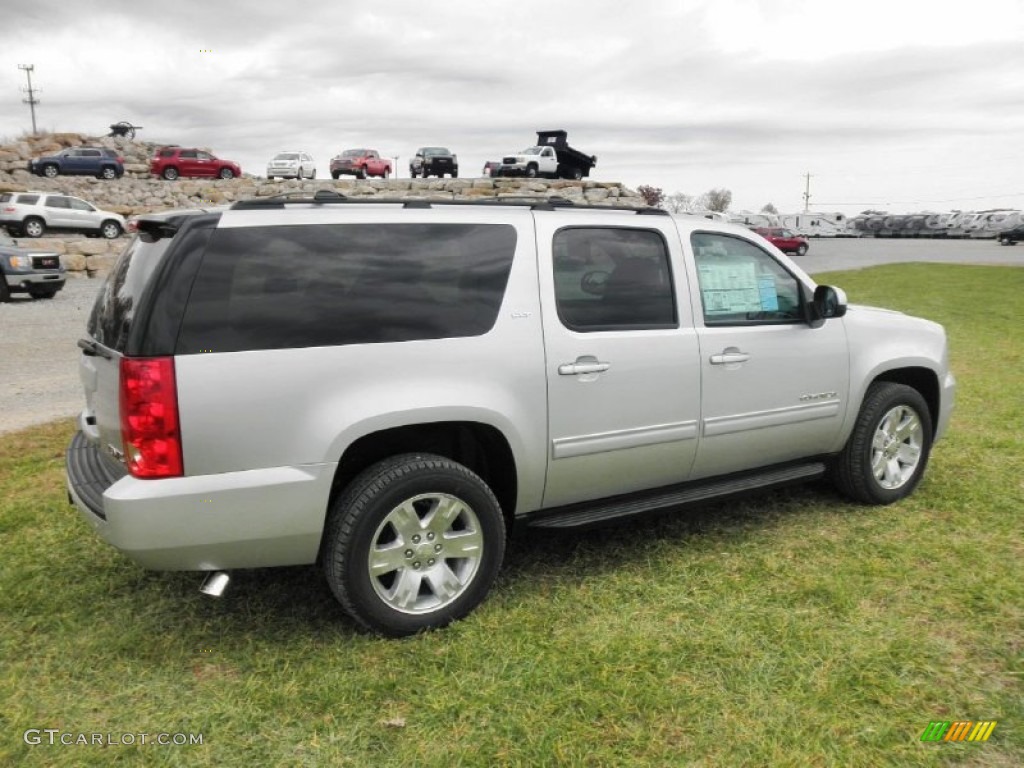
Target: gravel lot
column 38, row 352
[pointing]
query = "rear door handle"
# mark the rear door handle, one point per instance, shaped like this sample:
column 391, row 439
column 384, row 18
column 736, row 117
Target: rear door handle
column 578, row 368
column 728, row 356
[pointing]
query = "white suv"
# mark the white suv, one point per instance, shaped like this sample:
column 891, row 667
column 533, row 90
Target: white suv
column 387, row 387
column 32, row 214
column 291, row 165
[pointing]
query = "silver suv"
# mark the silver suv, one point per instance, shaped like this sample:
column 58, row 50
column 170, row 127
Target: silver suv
column 426, row 374
column 33, row 214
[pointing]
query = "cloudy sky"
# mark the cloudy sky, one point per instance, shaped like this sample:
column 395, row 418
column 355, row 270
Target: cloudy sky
column 893, row 104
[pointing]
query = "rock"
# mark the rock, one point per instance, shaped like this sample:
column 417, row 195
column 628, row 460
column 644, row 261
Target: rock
column 74, row 262
column 100, row 264
column 88, row 247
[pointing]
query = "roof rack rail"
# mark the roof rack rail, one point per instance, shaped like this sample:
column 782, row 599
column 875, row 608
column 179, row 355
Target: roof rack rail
column 526, row 201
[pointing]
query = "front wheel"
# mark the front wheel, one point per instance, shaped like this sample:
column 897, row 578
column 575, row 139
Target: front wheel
column 110, row 229
column 886, row 455
column 170, row 174
column 226, row 173
column 531, row 171
column 414, row 543
column 335, row 175
column 108, row 173
column 5, row 292
column 51, row 171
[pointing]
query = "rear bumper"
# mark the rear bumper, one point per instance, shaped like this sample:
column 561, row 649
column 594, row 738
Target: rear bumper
column 251, row 519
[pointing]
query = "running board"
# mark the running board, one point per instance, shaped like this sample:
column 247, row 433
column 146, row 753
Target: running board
column 591, row 513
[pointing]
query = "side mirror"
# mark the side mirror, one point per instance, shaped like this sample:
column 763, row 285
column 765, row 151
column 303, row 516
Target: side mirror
column 828, row 302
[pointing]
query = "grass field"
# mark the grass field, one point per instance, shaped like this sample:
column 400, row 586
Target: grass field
column 789, row 629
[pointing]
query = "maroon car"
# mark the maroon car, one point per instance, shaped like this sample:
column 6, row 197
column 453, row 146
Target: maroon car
column 784, row 239
column 172, row 162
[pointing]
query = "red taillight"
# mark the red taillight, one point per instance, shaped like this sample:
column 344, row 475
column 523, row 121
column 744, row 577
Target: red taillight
column 149, row 417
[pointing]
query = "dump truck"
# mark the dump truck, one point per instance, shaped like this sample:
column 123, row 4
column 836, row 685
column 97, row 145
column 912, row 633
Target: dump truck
column 551, row 158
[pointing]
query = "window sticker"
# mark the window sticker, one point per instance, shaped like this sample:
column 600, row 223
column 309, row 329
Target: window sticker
column 769, row 297
column 730, row 288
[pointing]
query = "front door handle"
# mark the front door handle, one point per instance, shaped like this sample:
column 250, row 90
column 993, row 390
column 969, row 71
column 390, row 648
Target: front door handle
column 582, row 367
column 729, row 356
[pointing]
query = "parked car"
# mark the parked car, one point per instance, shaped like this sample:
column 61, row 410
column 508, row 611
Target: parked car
column 100, row 162
column 37, row 273
column 434, row 161
column 551, row 157
column 291, row 165
column 784, row 239
column 361, row 163
column 558, row 366
column 32, row 214
column 1011, row 236
column 491, row 167
column 173, row 162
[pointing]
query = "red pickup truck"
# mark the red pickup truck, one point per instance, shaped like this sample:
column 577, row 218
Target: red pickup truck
column 360, row 163
column 784, row 239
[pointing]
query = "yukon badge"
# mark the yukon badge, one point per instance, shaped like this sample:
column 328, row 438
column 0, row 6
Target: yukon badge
column 818, row 396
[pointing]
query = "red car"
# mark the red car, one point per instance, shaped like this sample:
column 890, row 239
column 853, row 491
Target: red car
column 361, row 163
column 784, row 239
column 172, row 162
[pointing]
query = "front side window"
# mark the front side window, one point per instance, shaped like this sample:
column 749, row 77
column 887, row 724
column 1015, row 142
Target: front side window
column 281, row 287
column 612, row 279
column 742, row 284
column 79, row 205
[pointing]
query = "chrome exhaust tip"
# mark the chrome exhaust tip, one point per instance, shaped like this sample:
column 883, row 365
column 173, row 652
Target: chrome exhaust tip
column 215, row 583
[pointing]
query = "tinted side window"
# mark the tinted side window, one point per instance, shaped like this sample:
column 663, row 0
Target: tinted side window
column 57, row 202
column 612, row 279
column 28, row 199
column 327, row 285
column 741, row 284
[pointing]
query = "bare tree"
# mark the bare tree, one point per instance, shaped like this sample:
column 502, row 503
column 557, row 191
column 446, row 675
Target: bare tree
column 717, row 200
column 678, row 202
column 653, row 196
column 770, row 208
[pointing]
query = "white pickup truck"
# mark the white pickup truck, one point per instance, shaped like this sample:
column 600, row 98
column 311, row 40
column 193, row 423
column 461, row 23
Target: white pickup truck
column 551, row 158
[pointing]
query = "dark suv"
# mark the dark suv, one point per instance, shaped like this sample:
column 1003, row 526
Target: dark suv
column 80, row 161
column 1011, row 236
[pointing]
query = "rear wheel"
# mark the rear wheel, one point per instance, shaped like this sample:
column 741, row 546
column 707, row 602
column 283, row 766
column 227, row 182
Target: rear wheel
column 170, row 173
column 414, row 543
column 886, row 455
column 33, row 227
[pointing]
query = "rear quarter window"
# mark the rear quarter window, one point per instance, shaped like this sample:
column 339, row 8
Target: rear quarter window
column 328, row 285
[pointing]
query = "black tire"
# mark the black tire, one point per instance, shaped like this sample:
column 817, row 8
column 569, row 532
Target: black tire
column 5, row 292
column 226, row 173
column 455, row 174
column 33, row 226
column 110, row 229
column 362, row 173
column 269, row 177
column 370, row 512
column 51, row 171
column 531, row 171
column 48, row 294
column 108, row 172
column 335, row 175
column 801, row 250
column 387, row 174
column 412, row 173
column 894, row 429
column 170, row 173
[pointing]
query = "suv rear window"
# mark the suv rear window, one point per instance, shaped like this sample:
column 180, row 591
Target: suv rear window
column 327, row 285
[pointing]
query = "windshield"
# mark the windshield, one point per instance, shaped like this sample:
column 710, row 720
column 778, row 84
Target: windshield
column 432, row 151
column 531, row 151
column 353, row 153
column 287, row 156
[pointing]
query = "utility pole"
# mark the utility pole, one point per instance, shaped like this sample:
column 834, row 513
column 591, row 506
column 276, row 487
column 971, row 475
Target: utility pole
column 807, row 192
column 31, row 100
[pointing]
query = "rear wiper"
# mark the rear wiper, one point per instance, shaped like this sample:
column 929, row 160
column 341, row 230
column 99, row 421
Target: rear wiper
column 92, row 349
